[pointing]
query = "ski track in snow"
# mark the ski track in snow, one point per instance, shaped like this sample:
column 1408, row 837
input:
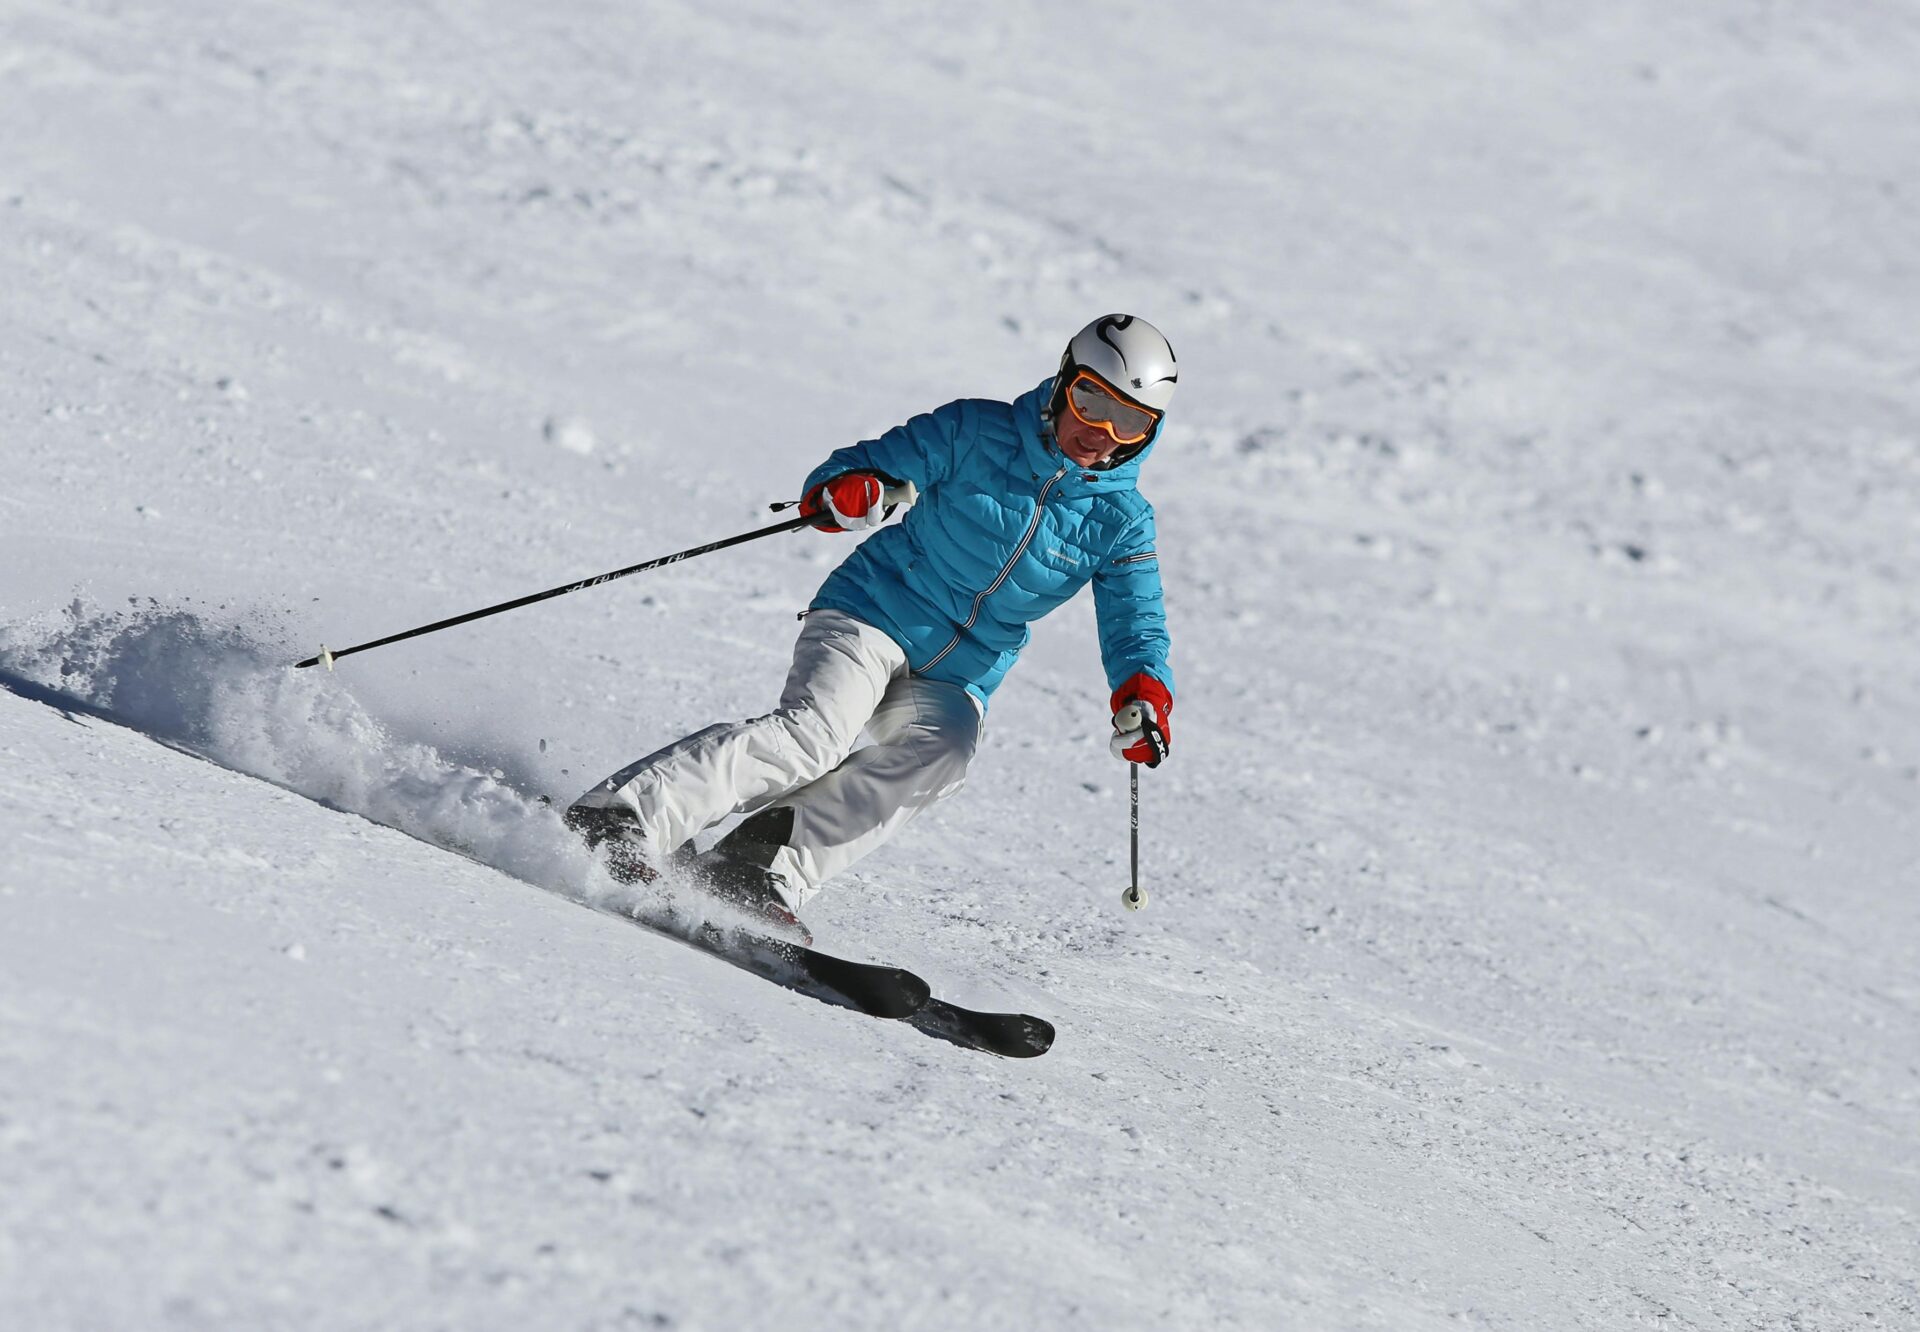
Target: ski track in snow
column 219, row 688
column 1534, row 930
column 216, row 690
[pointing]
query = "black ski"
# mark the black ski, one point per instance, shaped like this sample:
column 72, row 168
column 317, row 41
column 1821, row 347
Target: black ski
column 878, row 990
column 1009, row 1035
column 872, row 988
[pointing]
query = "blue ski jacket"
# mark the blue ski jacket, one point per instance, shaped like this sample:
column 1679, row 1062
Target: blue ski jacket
column 1006, row 529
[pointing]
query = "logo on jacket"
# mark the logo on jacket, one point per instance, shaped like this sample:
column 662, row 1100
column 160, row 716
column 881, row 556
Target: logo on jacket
column 1064, row 556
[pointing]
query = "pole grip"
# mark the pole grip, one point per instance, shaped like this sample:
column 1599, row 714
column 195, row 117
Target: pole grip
column 1136, row 717
column 905, row 493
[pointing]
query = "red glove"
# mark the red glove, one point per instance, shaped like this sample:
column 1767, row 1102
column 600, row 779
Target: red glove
column 849, row 501
column 1146, row 735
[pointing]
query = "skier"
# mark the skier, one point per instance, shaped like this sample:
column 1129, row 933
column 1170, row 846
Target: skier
column 1020, row 505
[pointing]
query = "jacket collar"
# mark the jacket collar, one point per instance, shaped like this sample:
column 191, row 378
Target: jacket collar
column 1043, row 456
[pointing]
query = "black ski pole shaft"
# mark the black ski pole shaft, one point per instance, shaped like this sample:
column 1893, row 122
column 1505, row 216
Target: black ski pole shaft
column 1133, row 772
column 1135, row 897
column 327, row 658
column 1136, row 716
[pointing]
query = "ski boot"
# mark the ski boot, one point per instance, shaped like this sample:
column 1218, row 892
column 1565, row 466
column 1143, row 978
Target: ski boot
column 619, row 831
column 738, row 871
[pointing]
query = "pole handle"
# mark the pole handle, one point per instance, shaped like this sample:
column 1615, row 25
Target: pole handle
column 905, row 493
column 1133, row 717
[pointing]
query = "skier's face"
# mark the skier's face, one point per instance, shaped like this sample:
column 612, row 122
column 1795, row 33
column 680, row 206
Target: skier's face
column 1085, row 445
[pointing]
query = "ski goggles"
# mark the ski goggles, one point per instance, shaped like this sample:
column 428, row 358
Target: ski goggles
column 1094, row 404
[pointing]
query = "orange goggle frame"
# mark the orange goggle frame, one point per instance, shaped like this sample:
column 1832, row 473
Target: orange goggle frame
column 1094, row 404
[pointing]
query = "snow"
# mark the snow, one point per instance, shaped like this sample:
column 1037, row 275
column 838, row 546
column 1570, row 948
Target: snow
column 1534, row 925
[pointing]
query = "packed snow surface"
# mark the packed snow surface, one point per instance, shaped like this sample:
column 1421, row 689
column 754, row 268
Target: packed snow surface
column 1534, row 929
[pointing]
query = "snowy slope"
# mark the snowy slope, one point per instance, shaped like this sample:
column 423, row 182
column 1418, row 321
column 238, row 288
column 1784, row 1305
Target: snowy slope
column 1534, row 928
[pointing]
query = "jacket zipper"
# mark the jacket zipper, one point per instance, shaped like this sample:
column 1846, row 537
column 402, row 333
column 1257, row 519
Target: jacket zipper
column 1039, row 509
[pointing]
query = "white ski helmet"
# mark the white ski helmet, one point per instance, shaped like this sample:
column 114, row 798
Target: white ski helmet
column 1131, row 357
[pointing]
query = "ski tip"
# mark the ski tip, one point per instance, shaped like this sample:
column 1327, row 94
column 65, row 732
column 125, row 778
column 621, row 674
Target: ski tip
column 1009, row 1035
column 1031, row 1038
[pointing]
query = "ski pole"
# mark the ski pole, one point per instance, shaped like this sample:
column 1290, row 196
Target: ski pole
column 1135, row 717
column 901, row 494
column 1135, row 897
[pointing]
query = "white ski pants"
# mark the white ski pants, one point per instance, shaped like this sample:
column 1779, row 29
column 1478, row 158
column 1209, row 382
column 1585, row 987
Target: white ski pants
column 846, row 676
